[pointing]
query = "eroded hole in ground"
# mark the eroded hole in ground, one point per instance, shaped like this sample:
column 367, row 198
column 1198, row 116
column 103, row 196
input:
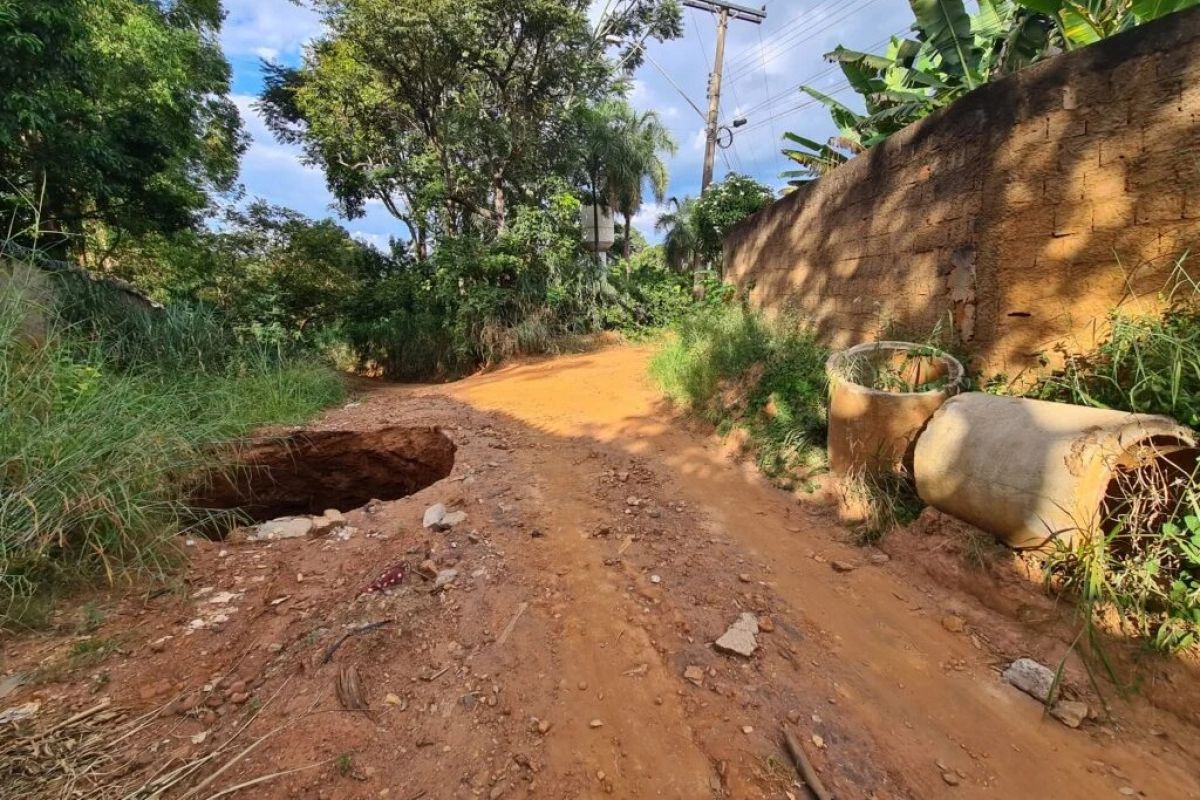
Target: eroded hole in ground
column 310, row 471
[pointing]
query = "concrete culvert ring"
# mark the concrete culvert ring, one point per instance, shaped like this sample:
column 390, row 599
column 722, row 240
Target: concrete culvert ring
column 310, row 471
column 881, row 396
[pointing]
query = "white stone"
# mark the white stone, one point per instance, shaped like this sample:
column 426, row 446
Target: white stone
column 282, row 528
column 434, row 514
column 1030, row 677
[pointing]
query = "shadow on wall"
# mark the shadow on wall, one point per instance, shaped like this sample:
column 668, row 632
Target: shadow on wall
column 1022, row 215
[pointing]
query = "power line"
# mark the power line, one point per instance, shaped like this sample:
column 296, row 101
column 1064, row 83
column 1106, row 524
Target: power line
column 790, row 43
column 771, row 99
column 784, row 30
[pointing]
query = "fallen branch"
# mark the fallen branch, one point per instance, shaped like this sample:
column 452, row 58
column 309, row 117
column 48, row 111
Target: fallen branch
column 805, row 767
column 354, row 632
column 263, row 779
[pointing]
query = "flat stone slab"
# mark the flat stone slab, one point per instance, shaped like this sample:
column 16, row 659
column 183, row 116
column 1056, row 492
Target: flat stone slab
column 740, row 639
column 282, row 528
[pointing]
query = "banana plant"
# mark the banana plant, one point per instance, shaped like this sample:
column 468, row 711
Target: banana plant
column 1084, row 22
column 951, row 53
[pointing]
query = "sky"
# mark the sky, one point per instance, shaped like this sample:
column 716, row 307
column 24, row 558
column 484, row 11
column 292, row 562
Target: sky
column 764, row 65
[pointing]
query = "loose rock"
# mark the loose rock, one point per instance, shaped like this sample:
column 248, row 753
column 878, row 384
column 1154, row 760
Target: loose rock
column 1071, row 713
column 1030, row 677
column 739, row 638
column 282, row 528
column 434, row 514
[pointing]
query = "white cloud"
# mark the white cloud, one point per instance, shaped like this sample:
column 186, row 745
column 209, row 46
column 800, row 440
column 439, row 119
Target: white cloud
column 646, row 217
column 280, row 26
column 377, row 240
column 267, row 53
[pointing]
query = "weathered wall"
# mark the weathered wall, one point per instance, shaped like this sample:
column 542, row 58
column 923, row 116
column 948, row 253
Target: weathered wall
column 1024, row 212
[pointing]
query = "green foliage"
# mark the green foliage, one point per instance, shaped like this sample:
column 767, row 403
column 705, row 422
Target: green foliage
column 477, row 301
column 1083, row 22
column 660, row 294
column 106, row 417
column 723, row 205
column 273, row 273
column 695, row 227
column 1147, row 364
column 953, row 52
column 115, row 113
column 767, row 377
column 1146, row 566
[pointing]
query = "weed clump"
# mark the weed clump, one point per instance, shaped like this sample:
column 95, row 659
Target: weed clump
column 765, row 377
column 1142, row 571
column 108, row 410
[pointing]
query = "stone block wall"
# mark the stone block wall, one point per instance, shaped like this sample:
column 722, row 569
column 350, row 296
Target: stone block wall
column 1020, row 216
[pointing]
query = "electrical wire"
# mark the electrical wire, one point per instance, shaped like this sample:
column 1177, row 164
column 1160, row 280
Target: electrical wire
column 784, row 30
column 791, row 43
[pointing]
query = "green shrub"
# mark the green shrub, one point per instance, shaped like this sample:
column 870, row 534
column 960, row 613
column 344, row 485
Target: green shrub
column 107, row 414
column 738, row 369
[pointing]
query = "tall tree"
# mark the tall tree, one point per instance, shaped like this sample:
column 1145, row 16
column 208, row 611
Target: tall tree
column 646, row 140
column 115, row 115
column 447, row 111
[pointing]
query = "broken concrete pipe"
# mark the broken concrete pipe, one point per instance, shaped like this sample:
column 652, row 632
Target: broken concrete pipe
column 1031, row 472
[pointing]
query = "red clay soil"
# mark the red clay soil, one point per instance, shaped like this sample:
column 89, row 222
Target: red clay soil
column 606, row 546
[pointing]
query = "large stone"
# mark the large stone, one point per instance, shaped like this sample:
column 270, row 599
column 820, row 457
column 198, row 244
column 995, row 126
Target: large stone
column 1031, row 677
column 434, row 515
column 282, row 528
column 739, row 638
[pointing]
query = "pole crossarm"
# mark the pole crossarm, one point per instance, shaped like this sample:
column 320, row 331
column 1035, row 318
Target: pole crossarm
column 755, row 15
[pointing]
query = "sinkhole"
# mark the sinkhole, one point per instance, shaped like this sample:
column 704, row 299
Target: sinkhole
column 310, row 471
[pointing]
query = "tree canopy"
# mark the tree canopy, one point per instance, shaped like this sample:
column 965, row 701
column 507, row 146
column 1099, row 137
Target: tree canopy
column 449, row 112
column 114, row 113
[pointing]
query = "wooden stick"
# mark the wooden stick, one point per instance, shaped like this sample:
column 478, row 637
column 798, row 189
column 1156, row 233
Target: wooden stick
column 512, row 623
column 264, row 779
column 805, row 767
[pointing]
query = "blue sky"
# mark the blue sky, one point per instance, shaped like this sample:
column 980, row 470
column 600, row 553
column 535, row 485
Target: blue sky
column 764, row 65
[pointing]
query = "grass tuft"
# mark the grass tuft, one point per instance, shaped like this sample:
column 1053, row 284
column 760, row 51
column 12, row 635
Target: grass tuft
column 766, row 377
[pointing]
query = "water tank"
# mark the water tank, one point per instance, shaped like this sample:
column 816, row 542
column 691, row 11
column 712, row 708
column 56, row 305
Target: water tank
column 594, row 220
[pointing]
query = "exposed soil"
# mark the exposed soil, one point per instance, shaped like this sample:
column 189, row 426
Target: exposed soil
column 310, row 471
column 606, row 546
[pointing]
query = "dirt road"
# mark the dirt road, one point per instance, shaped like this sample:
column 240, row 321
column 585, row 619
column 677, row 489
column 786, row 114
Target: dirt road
column 606, row 546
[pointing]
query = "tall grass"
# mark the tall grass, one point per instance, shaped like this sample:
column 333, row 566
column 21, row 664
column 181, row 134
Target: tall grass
column 1144, row 569
column 1147, row 363
column 108, row 411
column 738, row 369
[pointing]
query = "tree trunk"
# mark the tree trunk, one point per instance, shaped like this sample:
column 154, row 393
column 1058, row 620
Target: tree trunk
column 498, row 202
column 625, row 244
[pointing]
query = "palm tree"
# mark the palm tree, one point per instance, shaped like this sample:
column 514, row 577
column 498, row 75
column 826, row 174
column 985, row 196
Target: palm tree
column 682, row 241
column 620, row 156
column 644, row 138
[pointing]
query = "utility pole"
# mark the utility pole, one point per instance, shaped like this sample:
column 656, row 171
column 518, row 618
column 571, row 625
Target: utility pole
column 724, row 12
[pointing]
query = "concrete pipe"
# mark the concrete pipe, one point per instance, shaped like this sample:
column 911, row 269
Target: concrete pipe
column 1030, row 472
column 881, row 396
